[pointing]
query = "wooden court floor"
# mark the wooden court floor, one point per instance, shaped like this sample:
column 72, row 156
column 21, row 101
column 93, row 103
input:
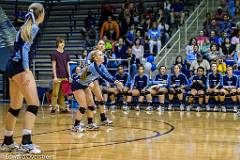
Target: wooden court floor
column 137, row 136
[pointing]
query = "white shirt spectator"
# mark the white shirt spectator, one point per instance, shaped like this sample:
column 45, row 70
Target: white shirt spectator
column 138, row 51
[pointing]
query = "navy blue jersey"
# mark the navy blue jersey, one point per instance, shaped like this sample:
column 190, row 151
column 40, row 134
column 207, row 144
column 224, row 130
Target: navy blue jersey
column 198, row 85
column 140, row 82
column 177, row 80
column 161, row 79
column 230, row 81
column 125, row 78
column 214, row 80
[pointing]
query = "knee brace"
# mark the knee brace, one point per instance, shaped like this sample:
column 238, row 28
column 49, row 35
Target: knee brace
column 100, row 102
column 82, row 110
column 201, row 95
column 33, row 109
column 91, row 108
column 233, row 94
column 171, row 92
column 14, row 112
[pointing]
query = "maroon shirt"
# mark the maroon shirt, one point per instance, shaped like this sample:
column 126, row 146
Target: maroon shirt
column 62, row 60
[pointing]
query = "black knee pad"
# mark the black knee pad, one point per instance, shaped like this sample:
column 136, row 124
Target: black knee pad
column 33, row 109
column 91, row 108
column 178, row 91
column 216, row 94
column 171, row 92
column 104, row 91
column 191, row 96
column 201, row 95
column 207, row 93
column 238, row 93
column 142, row 93
column 101, row 103
column 146, row 93
column 82, row 110
column 14, row 112
column 233, row 94
column 161, row 93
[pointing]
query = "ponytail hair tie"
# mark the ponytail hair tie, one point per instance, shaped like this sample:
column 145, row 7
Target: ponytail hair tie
column 30, row 15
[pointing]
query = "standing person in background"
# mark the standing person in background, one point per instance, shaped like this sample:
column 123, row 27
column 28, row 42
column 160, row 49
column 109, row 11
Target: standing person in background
column 110, row 28
column 154, row 37
column 61, row 71
column 22, row 84
column 138, row 49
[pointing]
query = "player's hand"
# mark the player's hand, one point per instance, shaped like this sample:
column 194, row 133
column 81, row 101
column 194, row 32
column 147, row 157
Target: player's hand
column 70, row 79
column 55, row 80
column 119, row 84
column 91, row 85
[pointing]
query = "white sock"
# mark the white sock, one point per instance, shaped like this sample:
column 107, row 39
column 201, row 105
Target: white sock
column 27, row 131
column 8, row 133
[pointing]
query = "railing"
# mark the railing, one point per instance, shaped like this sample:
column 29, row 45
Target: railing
column 179, row 40
column 7, row 30
column 80, row 63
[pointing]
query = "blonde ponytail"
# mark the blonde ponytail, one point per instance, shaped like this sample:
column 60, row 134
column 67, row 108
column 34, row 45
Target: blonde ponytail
column 26, row 31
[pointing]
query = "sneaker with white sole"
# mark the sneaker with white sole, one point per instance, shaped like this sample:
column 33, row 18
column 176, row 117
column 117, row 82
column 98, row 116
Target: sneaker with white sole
column 107, row 122
column 9, row 148
column 170, row 107
column 182, row 107
column 160, row 109
column 215, row 108
column 223, row 109
column 92, row 126
column 137, row 108
column 189, row 107
column 79, row 128
column 30, row 148
column 198, row 109
column 125, row 108
column 208, row 108
column 149, row 108
column 235, row 109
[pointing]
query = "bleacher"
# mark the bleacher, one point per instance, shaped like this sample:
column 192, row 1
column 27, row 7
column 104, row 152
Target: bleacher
column 66, row 19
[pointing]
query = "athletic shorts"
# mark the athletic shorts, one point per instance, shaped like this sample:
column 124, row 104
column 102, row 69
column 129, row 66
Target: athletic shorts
column 13, row 68
column 76, row 86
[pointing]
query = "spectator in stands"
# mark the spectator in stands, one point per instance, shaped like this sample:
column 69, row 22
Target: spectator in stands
column 228, row 49
column 225, row 25
column 230, row 84
column 190, row 57
column 146, row 26
column 138, row 49
column 110, row 28
column 213, row 27
column 200, row 62
column 108, row 43
column 214, row 38
column 207, row 21
column 214, row 53
column 214, row 84
column 223, row 36
column 134, row 62
column 88, row 31
column 197, row 84
column 154, row 37
column 139, row 36
column 141, row 7
column 191, row 44
column 120, row 48
column 177, row 12
column 125, row 25
column 131, row 34
column 19, row 17
column 111, row 64
column 219, row 14
column 205, row 49
column 201, row 38
column 179, row 61
column 107, row 10
column 61, row 71
column 164, row 29
column 177, row 83
column 221, row 66
column 159, row 16
column 235, row 37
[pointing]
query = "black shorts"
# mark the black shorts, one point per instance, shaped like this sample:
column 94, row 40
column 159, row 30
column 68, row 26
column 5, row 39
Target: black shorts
column 13, row 68
column 76, row 86
column 198, row 88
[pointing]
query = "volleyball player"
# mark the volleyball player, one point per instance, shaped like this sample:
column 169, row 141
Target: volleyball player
column 214, row 85
column 198, row 87
column 177, row 83
column 96, row 87
column 81, row 89
column 138, row 87
column 159, row 86
column 22, row 84
column 230, row 83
